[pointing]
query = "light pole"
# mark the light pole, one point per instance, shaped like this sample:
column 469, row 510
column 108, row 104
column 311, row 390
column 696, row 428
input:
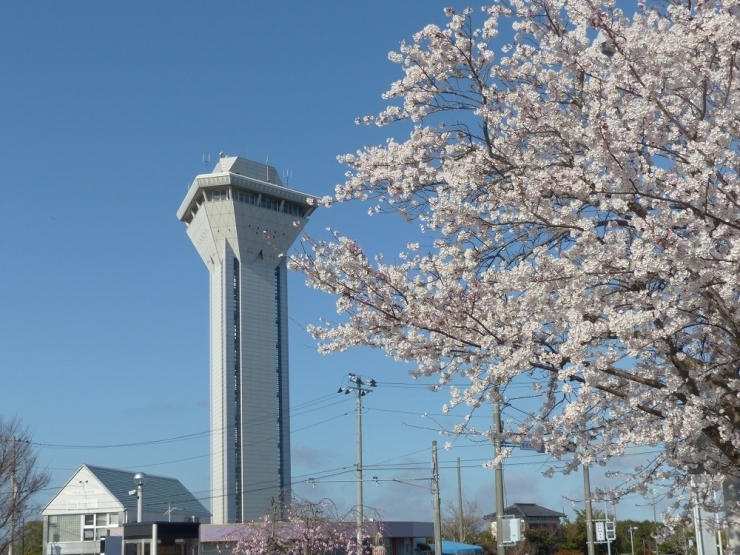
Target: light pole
column 356, row 385
column 632, row 540
column 139, row 479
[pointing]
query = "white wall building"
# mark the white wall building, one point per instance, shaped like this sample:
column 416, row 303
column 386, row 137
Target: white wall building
column 242, row 221
column 96, row 499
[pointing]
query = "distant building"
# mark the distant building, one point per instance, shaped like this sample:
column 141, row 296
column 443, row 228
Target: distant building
column 96, row 499
column 398, row 537
column 532, row 515
column 242, row 221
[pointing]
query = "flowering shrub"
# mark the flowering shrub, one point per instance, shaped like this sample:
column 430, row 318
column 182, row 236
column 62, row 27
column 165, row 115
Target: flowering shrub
column 306, row 529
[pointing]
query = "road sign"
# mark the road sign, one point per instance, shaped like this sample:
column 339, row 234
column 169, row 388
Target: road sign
column 600, row 532
column 513, row 530
column 527, row 446
column 605, row 531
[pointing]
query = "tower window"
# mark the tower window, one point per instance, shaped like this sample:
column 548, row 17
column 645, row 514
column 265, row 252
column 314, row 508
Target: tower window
column 220, row 195
column 271, row 203
column 237, row 391
column 292, row 209
column 245, row 196
column 279, row 375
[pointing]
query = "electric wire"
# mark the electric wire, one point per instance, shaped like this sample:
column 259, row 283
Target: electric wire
column 301, row 479
column 320, row 403
column 294, row 412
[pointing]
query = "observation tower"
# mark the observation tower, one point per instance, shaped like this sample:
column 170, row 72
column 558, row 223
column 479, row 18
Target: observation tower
column 242, row 221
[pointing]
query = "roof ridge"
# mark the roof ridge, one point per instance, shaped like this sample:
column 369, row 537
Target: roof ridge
column 91, row 466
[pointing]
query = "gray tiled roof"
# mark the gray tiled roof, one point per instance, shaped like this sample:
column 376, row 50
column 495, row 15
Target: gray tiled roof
column 527, row 510
column 248, row 168
column 159, row 491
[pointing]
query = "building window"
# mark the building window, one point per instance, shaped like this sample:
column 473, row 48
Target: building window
column 94, row 525
column 64, row 528
column 219, row 195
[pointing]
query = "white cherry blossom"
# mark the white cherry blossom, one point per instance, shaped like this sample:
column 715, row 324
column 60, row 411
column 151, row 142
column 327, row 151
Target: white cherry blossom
column 578, row 202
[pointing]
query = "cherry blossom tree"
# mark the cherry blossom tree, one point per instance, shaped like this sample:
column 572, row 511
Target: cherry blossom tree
column 307, row 529
column 574, row 189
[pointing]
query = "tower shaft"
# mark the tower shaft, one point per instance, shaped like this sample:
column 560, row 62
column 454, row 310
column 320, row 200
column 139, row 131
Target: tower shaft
column 250, row 443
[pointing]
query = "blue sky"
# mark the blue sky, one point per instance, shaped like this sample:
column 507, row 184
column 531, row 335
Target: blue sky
column 107, row 112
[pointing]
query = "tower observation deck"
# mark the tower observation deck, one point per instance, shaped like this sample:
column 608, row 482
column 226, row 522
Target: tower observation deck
column 242, row 221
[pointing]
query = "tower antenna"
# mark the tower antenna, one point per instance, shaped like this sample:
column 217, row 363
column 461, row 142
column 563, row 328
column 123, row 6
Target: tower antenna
column 287, row 174
column 206, row 160
column 267, row 167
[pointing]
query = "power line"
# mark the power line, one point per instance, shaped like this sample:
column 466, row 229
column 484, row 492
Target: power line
column 297, row 411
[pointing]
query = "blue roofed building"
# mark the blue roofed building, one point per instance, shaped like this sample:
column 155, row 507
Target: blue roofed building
column 95, row 501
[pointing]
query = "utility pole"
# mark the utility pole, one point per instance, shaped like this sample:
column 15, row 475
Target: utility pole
column 435, row 491
column 653, row 504
column 589, row 513
column 459, row 503
column 499, row 467
column 360, row 391
column 359, row 473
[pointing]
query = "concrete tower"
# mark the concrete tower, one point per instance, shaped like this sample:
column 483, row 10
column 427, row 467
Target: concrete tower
column 242, row 221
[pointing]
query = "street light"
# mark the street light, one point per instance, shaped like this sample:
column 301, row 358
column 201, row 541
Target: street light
column 139, row 479
column 632, row 540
